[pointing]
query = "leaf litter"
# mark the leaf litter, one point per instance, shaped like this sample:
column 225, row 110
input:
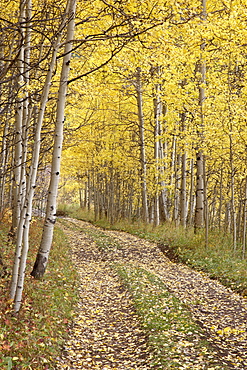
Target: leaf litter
column 107, row 333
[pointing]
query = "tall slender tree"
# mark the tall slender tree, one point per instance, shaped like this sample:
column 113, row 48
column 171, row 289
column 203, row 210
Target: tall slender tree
column 50, row 218
column 139, row 97
column 22, row 241
column 200, row 191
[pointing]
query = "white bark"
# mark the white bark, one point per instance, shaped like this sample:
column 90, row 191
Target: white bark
column 22, row 243
column 221, row 197
column 138, row 86
column 183, row 192
column 206, row 210
column 3, row 153
column 244, row 221
column 18, row 124
column 3, row 165
column 50, row 218
column 233, row 205
column 191, row 195
column 199, row 211
column 157, row 115
column 183, row 188
column 176, row 189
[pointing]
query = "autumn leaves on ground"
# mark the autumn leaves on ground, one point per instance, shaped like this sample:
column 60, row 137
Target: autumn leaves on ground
column 117, row 302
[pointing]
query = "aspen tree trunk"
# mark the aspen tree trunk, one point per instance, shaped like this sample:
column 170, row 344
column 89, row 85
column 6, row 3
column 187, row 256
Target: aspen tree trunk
column 18, row 124
column 27, row 109
column 233, row 206
column 191, row 196
column 81, row 197
column 199, row 211
column 138, row 86
column 227, row 218
column 239, row 216
column 111, row 195
column 212, row 208
column 221, row 196
column 96, row 197
column 22, row 242
column 183, row 190
column 129, row 209
column 157, row 115
column 176, row 189
column 183, row 195
column 173, row 169
column 4, row 146
column 163, row 156
column 164, row 192
column 244, row 221
column 89, row 189
column 26, row 117
column 85, row 202
column 3, row 166
column 231, row 160
column 50, row 218
column 173, row 160
column 206, row 215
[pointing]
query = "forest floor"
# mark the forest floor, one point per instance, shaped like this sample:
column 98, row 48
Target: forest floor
column 108, row 332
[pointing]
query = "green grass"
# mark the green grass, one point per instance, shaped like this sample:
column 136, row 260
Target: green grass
column 174, row 339
column 33, row 339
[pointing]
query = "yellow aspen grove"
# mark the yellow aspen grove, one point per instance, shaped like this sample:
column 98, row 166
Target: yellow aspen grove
column 188, row 45
column 150, row 101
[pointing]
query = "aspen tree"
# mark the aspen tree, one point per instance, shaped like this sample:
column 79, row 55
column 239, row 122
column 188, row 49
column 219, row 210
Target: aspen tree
column 163, row 169
column 22, row 241
column 220, row 197
column 177, row 182
column 231, row 159
column 206, row 211
column 50, row 218
column 18, row 158
column 183, row 190
column 3, row 153
column 233, row 201
column 157, row 115
column 200, row 191
column 25, row 13
column 4, row 163
column 191, row 194
column 183, row 197
column 244, row 221
column 138, row 86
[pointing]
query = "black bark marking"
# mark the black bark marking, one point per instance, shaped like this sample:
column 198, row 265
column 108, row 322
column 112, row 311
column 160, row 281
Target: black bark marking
column 51, row 221
column 39, row 267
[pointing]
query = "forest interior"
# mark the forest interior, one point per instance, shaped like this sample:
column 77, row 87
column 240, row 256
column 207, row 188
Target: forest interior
column 123, row 184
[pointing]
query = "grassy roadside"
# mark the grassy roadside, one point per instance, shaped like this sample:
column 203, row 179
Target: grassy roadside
column 33, row 339
column 218, row 260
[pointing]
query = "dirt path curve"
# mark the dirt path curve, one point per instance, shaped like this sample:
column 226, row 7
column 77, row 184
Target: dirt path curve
column 221, row 313
column 106, row 333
